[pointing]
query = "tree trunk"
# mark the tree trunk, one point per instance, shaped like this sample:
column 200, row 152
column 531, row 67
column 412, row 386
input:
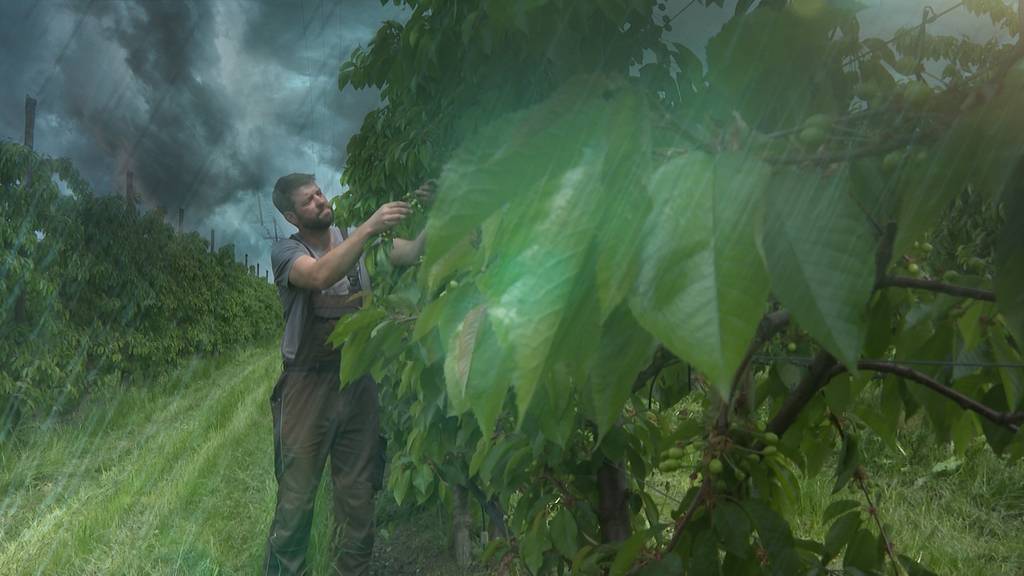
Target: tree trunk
column 460, row 525
column 613, row 503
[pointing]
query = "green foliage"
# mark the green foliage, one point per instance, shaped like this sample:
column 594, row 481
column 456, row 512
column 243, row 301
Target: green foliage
column 604, row 212
column 94, row 292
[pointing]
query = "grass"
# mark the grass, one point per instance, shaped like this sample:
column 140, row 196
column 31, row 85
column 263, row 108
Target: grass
column 173, row 478
column 177, row 478
column 953, row 513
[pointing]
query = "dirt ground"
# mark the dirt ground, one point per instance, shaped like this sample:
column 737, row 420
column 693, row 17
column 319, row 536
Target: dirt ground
column 416, row 543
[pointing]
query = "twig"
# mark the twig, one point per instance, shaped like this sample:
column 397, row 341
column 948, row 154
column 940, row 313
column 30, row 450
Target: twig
column 662, row 359
column 890, row 550
column 685, row 518
column 859, row 476
column 935, row 286
column 862, row 152
column 1010, row 420
column 770, row 324
column 818, row 375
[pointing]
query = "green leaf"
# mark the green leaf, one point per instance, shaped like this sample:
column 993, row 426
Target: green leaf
column 1013, row 378
column 849, row 459
column 999, row 438
column 563, row 533
column 402, row 481
column 941, row 411
column 702, row 228
column 864, row 552
column 627, row 554
column 838, row 508
column 776, row 537
column 489, row 378
column 670, row 565
column 535, row 543
column 627, row 167
column 970, row 325
column 546, row 234
column 768, row 53
column 459, row 358
column 1009, row 262
column 839, row 535
column 704, row 555
column 913, row 568
column 733, row 527
column 819, row 249
column 624, row 350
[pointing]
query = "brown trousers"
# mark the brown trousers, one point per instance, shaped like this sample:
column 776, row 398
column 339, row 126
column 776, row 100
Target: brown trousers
column 313, row 419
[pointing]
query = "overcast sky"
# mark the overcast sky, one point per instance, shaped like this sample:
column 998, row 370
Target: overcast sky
column 209, row 101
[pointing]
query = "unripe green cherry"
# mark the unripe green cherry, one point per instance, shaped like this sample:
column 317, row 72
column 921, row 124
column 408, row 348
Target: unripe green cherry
column 771, row 438
column 791, row 346
column 670, row 465
column 769, row 450
column 715, row 466
column 913, row 268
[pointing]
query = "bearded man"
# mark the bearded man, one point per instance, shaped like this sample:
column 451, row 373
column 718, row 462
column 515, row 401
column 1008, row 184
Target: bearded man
column 320, row 277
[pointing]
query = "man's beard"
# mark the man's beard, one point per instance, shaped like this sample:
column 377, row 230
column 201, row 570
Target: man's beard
column 322, row 222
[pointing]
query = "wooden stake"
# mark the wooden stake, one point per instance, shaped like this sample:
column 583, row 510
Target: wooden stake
column 257, row 268
column 211, row 240
column 181, row 219
column 246, row 261
column 30, row 121
column 30, row 130
column 129, row 191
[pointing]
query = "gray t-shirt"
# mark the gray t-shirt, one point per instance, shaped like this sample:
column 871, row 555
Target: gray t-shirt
column 295, row 300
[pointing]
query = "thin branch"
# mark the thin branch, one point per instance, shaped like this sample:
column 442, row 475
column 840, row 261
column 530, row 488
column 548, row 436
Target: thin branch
column 862, row 152
column 816, row 378
column 680, row 525
column 1010, row 420
column 859, row 476
column 662, row 359
column 770, row 324
column 935, row 286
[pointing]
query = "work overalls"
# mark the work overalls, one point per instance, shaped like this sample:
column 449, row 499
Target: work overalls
column 314, row 419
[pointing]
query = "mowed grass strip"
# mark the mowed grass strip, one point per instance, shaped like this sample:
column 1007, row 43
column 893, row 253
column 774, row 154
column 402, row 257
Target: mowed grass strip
column 174, row 478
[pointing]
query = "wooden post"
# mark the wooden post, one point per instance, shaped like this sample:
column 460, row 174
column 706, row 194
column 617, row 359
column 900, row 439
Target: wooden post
column 257, row 268
column 30, row 121
column 211, row 240
column 266, row 276
column 129, row 190
column 246, row 261
column 181, row 219
column 30, row 133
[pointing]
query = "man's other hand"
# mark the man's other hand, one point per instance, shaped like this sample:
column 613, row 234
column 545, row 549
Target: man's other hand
column 424, row 195
column 387, row 216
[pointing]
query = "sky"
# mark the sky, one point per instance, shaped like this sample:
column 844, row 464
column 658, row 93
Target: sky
column 208, row 102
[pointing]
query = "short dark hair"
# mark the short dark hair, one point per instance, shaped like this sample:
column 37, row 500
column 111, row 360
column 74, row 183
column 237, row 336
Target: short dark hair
column 284, row 188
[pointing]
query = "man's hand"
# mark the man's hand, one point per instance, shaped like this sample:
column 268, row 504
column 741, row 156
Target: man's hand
column 386, row 217
column 424, row 195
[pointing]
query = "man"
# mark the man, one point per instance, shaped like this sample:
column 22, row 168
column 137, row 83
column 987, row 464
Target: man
column 320, row 277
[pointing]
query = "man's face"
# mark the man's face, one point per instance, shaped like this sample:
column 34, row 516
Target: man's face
column 312, row 210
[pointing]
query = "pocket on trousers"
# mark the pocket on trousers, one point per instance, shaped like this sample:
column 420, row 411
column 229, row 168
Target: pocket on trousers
column 380, row 460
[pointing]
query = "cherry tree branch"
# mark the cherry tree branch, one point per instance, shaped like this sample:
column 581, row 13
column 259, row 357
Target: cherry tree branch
column 819, row 374
column 680, row 525
column 935, row 286
column 1010, row 420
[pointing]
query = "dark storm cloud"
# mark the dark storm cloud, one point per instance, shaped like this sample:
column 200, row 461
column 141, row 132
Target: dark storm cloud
column 207, row 102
